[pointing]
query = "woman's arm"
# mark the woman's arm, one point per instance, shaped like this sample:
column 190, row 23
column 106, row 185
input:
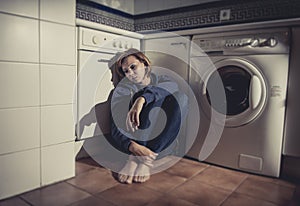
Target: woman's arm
column 133, row 116
column 164, row 87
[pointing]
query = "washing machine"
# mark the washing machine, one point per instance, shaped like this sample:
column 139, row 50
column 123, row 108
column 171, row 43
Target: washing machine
column 240, row 80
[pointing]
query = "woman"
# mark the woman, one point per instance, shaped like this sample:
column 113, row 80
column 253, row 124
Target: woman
column 133, row 131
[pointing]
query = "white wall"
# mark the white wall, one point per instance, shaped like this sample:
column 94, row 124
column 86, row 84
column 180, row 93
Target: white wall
column 37, row 77
column 122, row 5
column 145, row 6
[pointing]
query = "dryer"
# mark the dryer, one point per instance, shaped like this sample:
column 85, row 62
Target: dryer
column 242, row 121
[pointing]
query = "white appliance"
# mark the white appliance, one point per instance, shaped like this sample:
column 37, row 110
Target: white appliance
column 95, row 50
column 170, row 52
column 252, row 67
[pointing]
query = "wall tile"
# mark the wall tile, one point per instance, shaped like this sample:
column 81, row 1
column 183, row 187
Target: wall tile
column 58, row 11
column 57, row 84
column 57, row 44
column 58, row 162
column 19, row 84
column 20, row 172
column 20, row 129
column 19, row 37
column 28, row 8
column 57, row 124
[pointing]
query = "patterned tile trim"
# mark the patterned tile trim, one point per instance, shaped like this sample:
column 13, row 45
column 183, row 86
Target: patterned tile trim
column 204, row 15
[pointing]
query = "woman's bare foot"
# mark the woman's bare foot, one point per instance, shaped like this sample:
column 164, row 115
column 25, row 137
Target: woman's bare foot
column 142, row 173
column 127, row 172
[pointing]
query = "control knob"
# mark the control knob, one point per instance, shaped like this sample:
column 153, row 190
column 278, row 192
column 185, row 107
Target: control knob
column 95, row 40
column 254, row 42
column 271, row 42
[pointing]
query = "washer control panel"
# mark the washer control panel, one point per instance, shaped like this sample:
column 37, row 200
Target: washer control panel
column 94, row 40
column 262, row 41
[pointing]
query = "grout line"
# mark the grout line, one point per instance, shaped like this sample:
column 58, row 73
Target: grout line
column 21, row 16
column 29, row 203
column 40, row 90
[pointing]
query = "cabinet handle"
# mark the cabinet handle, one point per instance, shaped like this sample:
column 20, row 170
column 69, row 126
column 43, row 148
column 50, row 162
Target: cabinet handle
column 103, row 60
column 178, row 43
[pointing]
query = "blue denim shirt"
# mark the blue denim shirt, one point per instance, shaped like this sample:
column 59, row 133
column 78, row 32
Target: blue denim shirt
column 124, row 95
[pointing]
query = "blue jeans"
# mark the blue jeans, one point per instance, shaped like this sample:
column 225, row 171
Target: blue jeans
column 175, row 107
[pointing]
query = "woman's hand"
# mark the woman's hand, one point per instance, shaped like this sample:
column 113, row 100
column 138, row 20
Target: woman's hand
column 133, row 116
column 143, row 153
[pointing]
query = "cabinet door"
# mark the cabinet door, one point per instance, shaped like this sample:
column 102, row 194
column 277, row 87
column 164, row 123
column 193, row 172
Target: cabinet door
column 94, row 87
column 171, row 53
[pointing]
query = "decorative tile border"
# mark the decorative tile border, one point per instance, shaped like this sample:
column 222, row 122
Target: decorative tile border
column 204, row 15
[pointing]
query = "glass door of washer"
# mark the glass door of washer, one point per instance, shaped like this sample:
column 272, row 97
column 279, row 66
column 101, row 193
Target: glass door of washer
column 244, row 89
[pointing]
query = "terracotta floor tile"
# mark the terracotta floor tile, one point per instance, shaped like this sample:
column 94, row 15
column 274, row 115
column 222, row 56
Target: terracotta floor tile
column 186, row 168
column 236, row 199
column 94, row 181
column 89, row 161
column 14, row 201
column 171, row 201
column 273, row 180
column 93, row 201
column 130, row 195
column 164, row 182
column 58, row 194
column 296, row 197
column 200, row 193
column 81, row 167
column 221, row 177
column 268, row 191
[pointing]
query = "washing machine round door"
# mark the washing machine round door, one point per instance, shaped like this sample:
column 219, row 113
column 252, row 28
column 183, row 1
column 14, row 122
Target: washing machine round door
column 244, row 88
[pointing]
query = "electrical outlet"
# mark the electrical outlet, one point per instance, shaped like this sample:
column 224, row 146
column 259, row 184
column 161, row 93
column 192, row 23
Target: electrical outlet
column 224, row 14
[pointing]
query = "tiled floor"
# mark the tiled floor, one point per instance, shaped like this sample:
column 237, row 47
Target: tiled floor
column 187, row 183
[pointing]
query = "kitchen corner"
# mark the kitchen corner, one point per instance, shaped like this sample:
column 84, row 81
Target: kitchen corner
column 44, row 46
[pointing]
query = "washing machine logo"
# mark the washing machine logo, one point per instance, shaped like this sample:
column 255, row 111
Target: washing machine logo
column 105, row 150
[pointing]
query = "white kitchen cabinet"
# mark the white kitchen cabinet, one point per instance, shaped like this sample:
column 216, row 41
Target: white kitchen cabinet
column 19, row 84
column 28, row 8
column 20, row 129
column 57, row 162
column 19, row 172
column 57, row 124
column 19, row 39
column 58, row 11
column 57, row 84
column 171, row 53
column 173, row 46
column 57, row 44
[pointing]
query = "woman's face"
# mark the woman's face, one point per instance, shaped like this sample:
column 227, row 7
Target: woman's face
column 134, row 70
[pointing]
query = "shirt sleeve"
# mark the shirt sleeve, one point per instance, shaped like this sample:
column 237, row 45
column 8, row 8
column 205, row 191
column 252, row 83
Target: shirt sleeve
column 120, row 139
column 164, row 88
